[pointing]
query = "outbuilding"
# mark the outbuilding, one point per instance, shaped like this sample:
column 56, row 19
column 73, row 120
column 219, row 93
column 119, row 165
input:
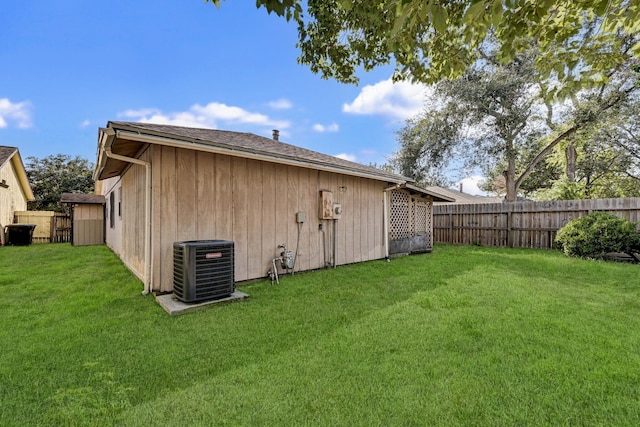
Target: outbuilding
column 165, row 184
column 87, row 218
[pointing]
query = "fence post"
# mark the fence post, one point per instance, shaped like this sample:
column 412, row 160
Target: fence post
column 509, row 228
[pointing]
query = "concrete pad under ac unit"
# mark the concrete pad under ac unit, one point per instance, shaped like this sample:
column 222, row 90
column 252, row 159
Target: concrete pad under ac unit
column 174, row 306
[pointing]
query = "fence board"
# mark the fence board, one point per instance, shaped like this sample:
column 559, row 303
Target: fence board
column 51, row 227
column 61, row 228
column 41, row 219
column 520, row 224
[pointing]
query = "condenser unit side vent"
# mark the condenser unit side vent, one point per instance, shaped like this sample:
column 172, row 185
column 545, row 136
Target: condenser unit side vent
column 203, row 270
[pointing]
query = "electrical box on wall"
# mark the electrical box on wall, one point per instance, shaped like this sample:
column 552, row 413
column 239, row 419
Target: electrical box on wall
column 337, row 211
column 326, row 205
column 301, row 217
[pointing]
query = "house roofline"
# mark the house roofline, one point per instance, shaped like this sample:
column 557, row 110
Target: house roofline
column 21, row 173
column 109, row 135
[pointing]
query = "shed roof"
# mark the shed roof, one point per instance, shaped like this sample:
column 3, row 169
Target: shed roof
column 12, row 154
column 124, row 136
column 80, row 198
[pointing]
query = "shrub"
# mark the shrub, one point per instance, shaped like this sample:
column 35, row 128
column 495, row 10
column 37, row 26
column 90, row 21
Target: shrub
column 596, row 234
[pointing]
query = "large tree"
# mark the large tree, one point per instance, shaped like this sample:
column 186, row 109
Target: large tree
column 602, row 160
column 500, row 115
column 428, row 40
column 56, row 174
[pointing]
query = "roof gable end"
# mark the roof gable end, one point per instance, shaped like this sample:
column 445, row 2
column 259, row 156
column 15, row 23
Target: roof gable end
column 11, row 154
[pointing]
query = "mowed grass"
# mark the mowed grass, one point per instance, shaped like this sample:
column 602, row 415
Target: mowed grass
column 462, row 336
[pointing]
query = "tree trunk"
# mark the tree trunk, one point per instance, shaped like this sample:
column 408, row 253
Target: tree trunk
column 571, row 154
column 544, row 152
column 510, row 179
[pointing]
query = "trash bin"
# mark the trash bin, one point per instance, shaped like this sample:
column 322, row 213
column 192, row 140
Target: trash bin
column 19, row 234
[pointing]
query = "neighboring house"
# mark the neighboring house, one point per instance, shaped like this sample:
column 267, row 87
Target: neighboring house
column 15, row 190
column 461, row 198
column 166, row 184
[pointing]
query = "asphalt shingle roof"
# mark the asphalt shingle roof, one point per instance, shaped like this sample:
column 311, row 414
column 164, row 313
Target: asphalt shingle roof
column 80, row 198
column 250, row 142
column 6, row 153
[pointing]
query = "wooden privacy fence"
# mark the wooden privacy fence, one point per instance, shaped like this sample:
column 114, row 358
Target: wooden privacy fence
column 519, row 224
column 61, row 228
column 51, row 227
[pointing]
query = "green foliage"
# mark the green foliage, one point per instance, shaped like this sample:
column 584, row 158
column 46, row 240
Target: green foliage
column 383, row 167
column 606, row 163
column 56, row 174
column 580, row 46
column 428, row 142
column 487, row 118
column 498, row 118
column 597, row 234
column 562, row 189
column 543, row 177
column 429, row 41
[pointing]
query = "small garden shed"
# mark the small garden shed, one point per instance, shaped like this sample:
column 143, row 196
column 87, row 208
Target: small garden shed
column 87, row 218
column 167, row 184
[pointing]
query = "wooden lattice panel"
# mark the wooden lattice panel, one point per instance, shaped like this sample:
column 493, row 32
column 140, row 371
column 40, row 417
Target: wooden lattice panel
column 420, row 221
column 429, row 225
column 399, row 216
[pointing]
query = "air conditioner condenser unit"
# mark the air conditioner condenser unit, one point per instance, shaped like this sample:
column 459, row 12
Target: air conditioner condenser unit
column 203, row 270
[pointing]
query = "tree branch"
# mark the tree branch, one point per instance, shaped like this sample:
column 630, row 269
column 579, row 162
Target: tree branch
column 544, row 152
column 633, row 152
column 566, row 134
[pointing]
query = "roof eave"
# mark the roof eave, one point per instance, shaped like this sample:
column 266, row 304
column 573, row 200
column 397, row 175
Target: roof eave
column 419, row 190
column 105, row 139
column 83, row 199
column 22, row 176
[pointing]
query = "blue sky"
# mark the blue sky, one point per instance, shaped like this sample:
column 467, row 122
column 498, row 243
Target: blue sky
column 66, row 68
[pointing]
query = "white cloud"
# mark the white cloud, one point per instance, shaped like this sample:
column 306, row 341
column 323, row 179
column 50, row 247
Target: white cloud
column 133, row 114
column 400, row 100
column 345, row 156
column 204, row 116
column 85, row 123
column 280, row 104
column 18, row 113
column 471, row 185
column 333, row 127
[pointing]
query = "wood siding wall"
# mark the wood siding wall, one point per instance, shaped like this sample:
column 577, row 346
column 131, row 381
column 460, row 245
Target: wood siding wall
column 113, row 230
column 129, row 214
column 12, row 198
column 88, row 225
column 125, row 222
column 202, row 196
column 519, row 224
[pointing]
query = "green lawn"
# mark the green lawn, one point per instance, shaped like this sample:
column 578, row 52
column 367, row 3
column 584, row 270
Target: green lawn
column 462, row 336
